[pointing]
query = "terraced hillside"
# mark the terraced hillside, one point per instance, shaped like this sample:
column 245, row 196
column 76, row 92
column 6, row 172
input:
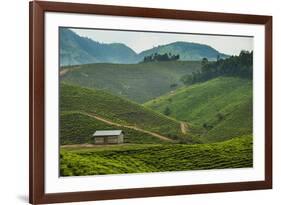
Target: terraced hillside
column 138, row 82
column 119, row 159
column 113, row 111
column 218, row 109
column 77, row 128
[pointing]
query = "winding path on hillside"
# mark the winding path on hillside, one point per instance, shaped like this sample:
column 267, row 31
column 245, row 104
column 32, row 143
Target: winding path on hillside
column 184, row 127
column 63, row 72
column 162, row 137
column 66, row 70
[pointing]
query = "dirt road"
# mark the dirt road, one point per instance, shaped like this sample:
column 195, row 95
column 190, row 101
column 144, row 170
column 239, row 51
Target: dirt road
column 184, row 127
column 66, row 70
column 162, row 137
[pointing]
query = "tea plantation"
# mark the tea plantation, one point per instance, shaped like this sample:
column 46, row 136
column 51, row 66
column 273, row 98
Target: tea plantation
column 217, row 110
column 118, row 159
column 138, row 82
column 113, row 108
column 78, row 128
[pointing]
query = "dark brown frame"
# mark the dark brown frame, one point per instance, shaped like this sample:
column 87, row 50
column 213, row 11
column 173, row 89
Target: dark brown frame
column 36, row 150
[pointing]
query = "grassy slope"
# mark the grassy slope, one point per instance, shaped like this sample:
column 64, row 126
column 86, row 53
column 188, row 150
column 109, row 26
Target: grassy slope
column 116, row 109
column 138, row 82
column 77, row 128
column 223, row 104
column 235, row 153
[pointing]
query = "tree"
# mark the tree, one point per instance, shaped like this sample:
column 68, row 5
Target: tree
column 218, row 57
column 220, row 116
column 187, row 79
column 155, row 57
column 238, row 66
column 204, row 62
column 174, row 85
column 167, row 111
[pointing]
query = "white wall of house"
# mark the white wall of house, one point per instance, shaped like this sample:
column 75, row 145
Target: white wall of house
column 109, row 139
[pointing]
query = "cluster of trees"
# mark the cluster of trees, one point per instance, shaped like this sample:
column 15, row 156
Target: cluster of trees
column 167, row 111
column 240, row 66
column 155, row 57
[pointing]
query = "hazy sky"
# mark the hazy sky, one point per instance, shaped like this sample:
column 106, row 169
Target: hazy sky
column 140, row 41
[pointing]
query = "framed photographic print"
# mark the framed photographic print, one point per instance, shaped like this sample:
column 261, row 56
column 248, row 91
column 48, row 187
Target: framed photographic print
column 139, row 102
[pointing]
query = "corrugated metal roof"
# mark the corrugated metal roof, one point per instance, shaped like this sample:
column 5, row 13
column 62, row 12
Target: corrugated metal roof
column 107, row 132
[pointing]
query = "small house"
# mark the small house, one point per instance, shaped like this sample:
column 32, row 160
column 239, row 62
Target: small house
column 108, row 137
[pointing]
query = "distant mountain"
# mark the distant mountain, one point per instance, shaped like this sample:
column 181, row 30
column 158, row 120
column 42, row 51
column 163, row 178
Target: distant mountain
column 76, row 50
column 186, row 50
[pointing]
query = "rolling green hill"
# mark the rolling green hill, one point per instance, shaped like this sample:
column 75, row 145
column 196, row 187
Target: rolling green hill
column 77, row 128
column 115, row 110
column 120, row 159
column 188, row 51
column 218, row 109
column 138, row 82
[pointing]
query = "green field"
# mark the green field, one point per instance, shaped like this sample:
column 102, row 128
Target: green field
column 224, row 102
column 179, row 105
column 115, row 109
column 120, row 159
column 77, row 128
column 138, row 82
column 217, row 109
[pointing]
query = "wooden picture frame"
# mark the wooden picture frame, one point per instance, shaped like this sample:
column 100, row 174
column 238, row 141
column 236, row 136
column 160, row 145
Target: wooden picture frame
column 38, row 9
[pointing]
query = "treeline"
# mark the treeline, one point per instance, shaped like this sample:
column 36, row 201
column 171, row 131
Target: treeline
column 240, row 66
column 156, row 57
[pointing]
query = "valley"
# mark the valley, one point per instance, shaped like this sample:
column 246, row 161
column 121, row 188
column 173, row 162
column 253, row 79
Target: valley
column 178, row 141
column 176, row 106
